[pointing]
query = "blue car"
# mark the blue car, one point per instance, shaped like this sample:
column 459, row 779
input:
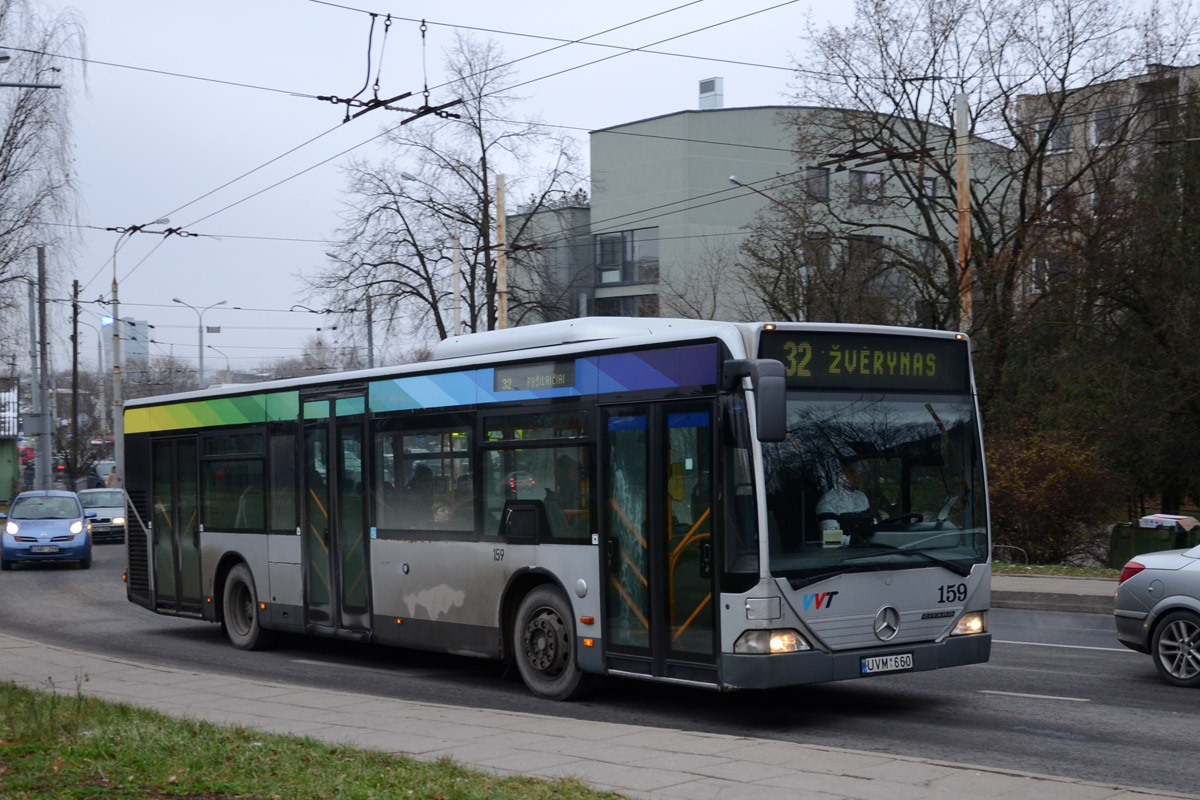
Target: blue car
column 46, row 526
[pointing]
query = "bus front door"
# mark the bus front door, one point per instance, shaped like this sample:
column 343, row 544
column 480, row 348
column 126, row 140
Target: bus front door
column 657, row 518
column 176, row 531
column 336, row 577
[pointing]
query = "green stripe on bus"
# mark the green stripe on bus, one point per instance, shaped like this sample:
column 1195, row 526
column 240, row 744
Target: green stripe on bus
column 242, row 410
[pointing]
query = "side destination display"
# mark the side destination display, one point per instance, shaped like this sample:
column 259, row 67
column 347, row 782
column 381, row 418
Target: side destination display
column 820, row 360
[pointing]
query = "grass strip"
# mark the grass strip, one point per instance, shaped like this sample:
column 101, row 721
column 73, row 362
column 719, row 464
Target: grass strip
column 67, row 746
column 1061, row 570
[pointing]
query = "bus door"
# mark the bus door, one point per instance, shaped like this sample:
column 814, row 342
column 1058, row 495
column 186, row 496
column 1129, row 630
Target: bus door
column 175, row 534
column 657, row 518
column 336, row 584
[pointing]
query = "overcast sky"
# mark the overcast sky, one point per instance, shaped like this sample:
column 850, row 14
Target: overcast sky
column 150, row 144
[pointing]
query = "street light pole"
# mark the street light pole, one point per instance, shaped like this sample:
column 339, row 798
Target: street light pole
column 199, row 328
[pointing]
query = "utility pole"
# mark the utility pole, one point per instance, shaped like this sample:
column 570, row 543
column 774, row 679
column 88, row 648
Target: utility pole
column 501, row 258
column 45, row 453
column 456, row 284
column 962, row 135
column 36, row 419
column 74, row 465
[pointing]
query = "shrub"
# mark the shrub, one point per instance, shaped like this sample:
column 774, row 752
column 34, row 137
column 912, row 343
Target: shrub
column 1049, row 495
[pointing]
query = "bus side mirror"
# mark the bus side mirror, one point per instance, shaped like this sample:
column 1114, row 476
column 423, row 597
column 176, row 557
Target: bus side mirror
column 770, row 393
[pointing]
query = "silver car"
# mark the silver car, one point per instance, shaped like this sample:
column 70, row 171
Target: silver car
column 109, row 505
column 1158, row 612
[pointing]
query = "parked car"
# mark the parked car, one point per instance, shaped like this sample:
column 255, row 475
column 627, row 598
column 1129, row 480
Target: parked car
column 46, row 526
column 109, row 505
column 1158, row 612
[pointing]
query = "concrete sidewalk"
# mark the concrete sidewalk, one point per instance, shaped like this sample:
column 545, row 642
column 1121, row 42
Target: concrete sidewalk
column 632, row 760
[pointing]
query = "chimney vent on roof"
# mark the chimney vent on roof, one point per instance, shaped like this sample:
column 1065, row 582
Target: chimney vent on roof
column 712, row 93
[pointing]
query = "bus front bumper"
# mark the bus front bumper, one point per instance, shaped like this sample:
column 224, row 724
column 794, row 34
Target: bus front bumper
column 814, row 666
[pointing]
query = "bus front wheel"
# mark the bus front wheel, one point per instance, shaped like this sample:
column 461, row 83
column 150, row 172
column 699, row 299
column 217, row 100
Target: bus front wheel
column 544, row 646
column 240, row 608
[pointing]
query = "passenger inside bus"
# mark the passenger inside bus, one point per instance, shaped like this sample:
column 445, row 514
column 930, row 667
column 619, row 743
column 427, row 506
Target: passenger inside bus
column 418, row 497
column 563, row 502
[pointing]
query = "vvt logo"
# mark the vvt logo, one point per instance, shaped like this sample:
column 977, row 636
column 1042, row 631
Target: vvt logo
column 819, row 600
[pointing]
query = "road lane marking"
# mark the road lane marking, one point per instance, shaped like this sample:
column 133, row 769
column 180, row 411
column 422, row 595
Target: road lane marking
column 1036, row 696
column 1072, row 646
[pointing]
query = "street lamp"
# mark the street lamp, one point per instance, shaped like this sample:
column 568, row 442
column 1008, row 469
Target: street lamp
column 5, row 58
column 218, row 352
column 735, row 180
column 199, row 328
column 118, row 424
column 99, row 372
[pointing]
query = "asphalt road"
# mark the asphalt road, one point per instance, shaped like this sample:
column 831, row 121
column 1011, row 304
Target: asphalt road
column 1060, row 695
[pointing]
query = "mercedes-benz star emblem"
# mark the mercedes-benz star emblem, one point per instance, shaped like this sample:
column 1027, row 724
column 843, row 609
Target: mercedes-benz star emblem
column 887, row 623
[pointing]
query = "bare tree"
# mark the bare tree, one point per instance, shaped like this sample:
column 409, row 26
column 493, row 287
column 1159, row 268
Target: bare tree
column 402, row 227
column 319, row 357
column 712, row 283
column 36, row 176
column 886, row 87
column 162, row 375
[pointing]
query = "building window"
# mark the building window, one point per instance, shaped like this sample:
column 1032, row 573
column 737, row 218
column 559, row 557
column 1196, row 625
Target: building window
column 866, row 188
column 1057, row 201
column 1104, row 126
column 818, row 252
column 1059, row 134
column 864, row 251
column 929, row 188
column 627, row 257
column 816, row 183
column 638, row 305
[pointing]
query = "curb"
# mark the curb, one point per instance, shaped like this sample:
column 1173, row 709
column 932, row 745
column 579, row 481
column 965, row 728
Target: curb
column 1053, row 601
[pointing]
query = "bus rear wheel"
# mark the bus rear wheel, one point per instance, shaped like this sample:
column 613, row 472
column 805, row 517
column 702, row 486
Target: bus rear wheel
column 240, row 607
column 544, row 646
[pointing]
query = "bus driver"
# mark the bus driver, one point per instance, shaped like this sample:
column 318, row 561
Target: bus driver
column 845, row 498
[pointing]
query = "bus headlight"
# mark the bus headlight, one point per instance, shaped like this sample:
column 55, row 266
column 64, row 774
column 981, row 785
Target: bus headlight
column 776, row 641
column 972, row 622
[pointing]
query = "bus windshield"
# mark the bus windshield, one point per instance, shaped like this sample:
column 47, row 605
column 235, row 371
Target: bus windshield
column 873, row 482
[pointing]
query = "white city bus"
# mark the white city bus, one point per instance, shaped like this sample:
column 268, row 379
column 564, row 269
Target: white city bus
column 661, row 499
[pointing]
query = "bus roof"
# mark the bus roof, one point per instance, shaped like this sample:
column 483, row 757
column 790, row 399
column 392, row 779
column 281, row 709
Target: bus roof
column 521, row 341
column 568, row 331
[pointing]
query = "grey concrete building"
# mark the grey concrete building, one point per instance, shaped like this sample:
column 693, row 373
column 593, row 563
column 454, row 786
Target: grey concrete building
column 665, row 221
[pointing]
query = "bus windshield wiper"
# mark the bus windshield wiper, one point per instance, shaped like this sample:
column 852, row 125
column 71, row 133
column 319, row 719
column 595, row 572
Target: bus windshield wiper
column 954, row 566
column 799, row 583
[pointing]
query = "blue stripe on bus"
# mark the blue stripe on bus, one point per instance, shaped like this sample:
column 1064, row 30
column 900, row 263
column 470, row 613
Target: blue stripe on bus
column 667, row 368
column 627, row 423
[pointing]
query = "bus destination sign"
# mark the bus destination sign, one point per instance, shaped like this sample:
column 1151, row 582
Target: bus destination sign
column 824, row 360
column 531, row 377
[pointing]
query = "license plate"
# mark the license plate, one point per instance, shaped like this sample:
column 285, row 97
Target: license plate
column 896, row 663
column 44, row 548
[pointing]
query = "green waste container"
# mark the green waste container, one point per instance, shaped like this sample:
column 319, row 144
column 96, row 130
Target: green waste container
column 1129, row 539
